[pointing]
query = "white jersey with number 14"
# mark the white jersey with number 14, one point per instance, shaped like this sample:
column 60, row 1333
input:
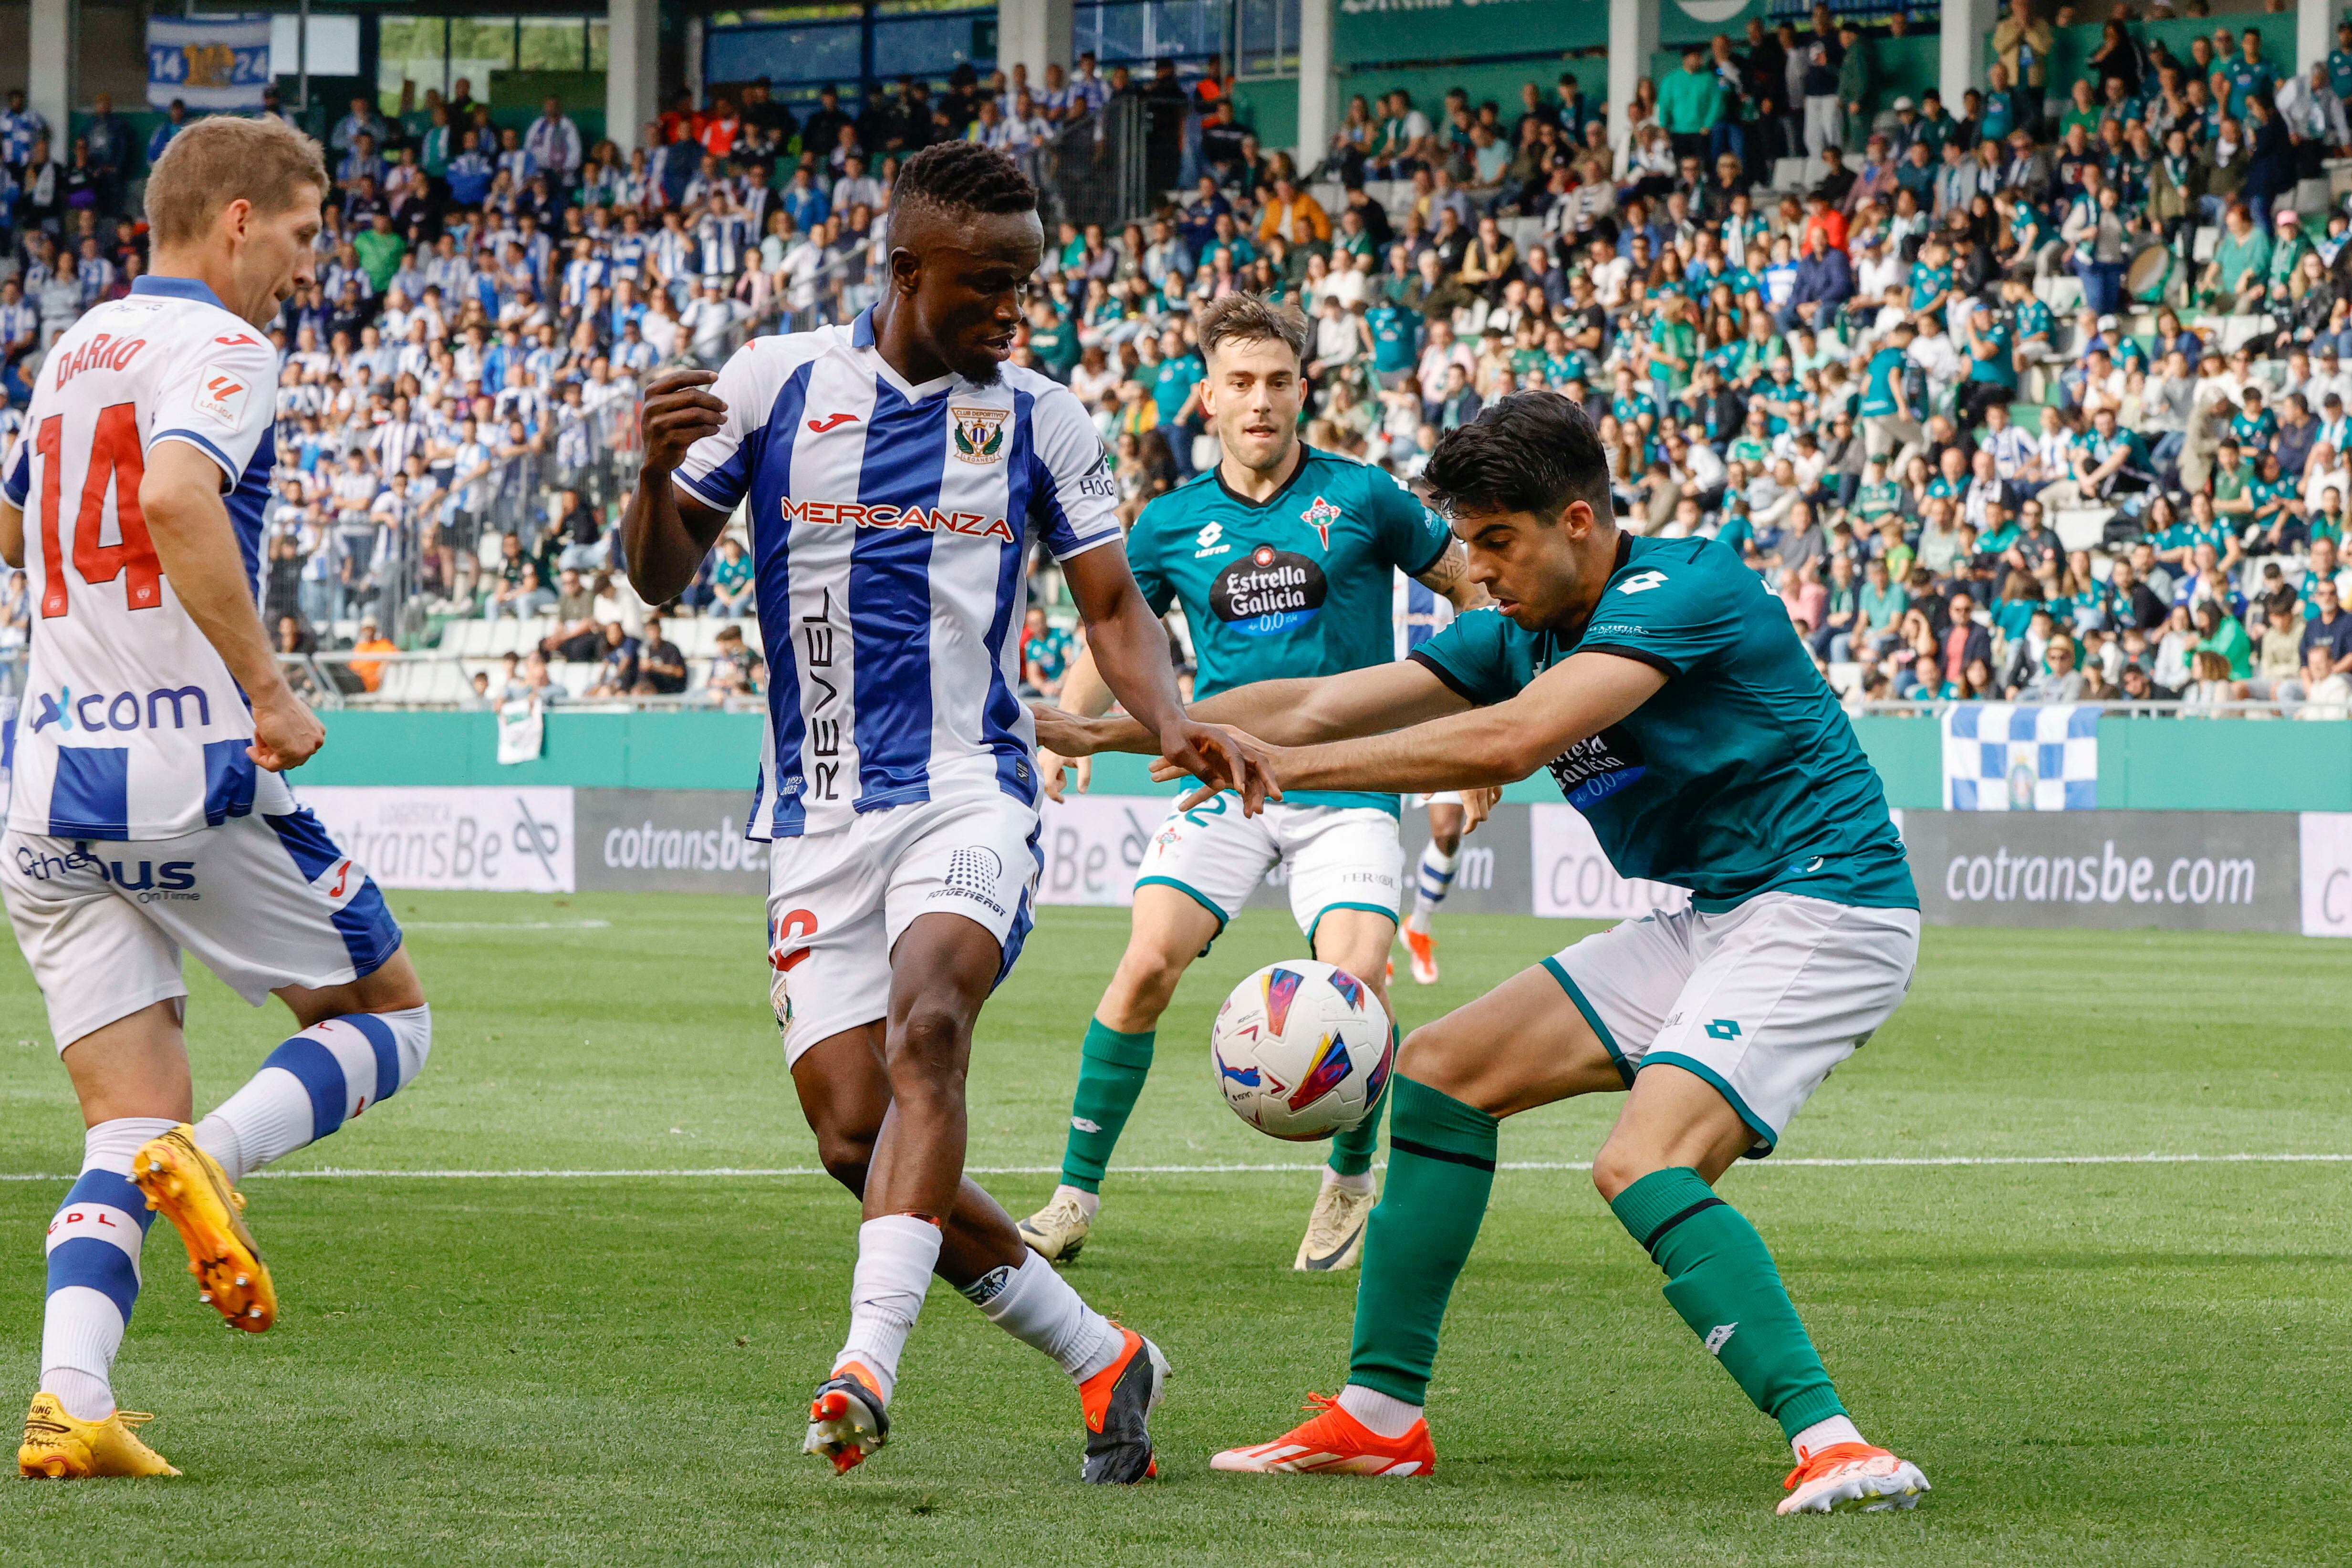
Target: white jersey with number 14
column 130, row 726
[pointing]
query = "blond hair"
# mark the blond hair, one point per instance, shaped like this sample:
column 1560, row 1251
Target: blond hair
column 221, row 160
column 1244, row 318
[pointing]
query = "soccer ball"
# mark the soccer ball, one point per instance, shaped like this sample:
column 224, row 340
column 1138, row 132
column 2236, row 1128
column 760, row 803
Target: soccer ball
column 1301, row 1049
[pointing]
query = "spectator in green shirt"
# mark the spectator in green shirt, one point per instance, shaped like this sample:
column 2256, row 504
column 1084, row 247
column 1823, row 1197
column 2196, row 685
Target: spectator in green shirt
column 379, row 250
column 1690, row 101
column 2239, row 274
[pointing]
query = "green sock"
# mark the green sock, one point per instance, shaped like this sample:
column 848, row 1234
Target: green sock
column 1111, row 1070
column 1441, row 1169
column 1720, row 1278
column 1353, row 1151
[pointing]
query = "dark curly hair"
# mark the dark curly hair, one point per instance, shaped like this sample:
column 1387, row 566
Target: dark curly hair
column 1531, row 451
column 964, row 176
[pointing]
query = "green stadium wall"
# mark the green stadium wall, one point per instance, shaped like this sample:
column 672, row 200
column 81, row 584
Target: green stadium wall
column 2145, row 764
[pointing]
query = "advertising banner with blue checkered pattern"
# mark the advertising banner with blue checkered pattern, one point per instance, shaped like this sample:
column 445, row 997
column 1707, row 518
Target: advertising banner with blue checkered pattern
column 2008, row 757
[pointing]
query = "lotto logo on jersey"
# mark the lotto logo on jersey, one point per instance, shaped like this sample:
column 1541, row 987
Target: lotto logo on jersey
column 221, row 394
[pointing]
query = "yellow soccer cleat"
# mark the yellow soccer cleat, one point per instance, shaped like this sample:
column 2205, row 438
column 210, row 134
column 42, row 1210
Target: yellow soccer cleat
column 58, row 1447
column 188, row 1187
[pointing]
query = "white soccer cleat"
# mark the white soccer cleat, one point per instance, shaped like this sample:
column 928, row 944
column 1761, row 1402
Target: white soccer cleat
column 1058, row 1230
column 1851, row 1477
column 1334, row 1231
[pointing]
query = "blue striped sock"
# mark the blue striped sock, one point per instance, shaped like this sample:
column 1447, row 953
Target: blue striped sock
column 1435, row 877
column 315, row 1083
column 93, row 1254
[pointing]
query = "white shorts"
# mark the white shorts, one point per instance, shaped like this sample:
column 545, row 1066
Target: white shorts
column 1336, row 857
column 838, row 901
column 1761, row 1000
column 1441, row 798
column 263, row 902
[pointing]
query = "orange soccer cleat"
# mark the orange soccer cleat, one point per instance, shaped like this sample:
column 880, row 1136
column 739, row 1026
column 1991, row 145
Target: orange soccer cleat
column 1335, row 1443
column 1851, row 1477
column 1424, row 948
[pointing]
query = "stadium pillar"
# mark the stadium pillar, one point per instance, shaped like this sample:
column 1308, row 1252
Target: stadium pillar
column 1960, row 46
column 1036, row 33
column 1316, row 87
column 1633, row 39
column 633, row 71
column 49, row 36
column 2314, row 32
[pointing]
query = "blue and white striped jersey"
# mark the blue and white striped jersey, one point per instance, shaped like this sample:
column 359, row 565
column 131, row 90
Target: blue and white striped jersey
column 890, row 526
column 1422, row 612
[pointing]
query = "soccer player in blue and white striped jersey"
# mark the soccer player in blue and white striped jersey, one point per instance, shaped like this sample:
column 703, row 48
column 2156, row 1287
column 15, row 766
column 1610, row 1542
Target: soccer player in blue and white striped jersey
column 895, row 472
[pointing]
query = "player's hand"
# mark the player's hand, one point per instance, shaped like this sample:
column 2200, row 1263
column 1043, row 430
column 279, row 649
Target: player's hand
column 1065, row 735
column 1227, row 758
column 677, row 412
column 1051, row 763
column 286, row 733
column 1478, row 804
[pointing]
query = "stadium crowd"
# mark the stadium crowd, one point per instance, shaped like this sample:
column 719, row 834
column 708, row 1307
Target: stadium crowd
column 2041, row 395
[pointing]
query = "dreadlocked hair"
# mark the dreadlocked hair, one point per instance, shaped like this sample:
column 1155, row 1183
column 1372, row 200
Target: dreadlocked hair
column 964, row 176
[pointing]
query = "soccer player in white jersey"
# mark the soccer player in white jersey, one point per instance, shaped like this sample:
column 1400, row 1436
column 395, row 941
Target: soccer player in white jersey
column 148, row 815
column 895, row 472
column 1422, row 612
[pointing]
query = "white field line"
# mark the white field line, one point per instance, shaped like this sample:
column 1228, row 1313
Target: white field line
column 673, row 1174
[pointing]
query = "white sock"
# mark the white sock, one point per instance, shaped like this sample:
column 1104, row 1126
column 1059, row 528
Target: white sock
column 1384, row 1414
column 313, row 1084
column 1824, row 1434
column 93, row 1252
column 1361, row 1182
column 1089, row 1203
column 1038, row 1307
column 895, row 1255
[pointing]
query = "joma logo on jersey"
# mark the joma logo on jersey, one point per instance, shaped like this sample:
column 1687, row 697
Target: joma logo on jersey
column 101, row 352
column 123, row 710
column 856, row 514
column 978, row 432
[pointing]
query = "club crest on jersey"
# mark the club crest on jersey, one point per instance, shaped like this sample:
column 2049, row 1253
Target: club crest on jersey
column 1320, row 517
column 978, row 432
column 220, row 395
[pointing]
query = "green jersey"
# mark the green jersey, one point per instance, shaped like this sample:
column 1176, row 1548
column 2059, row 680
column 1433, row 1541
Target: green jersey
column 1301, row 585
column 1741, row 775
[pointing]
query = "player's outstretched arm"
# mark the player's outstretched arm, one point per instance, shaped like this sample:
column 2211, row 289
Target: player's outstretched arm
column 1130, row 651
column 1572, row 701
column 665, row 535
column 1287, row 713
column 195, row 544
column 11, row 536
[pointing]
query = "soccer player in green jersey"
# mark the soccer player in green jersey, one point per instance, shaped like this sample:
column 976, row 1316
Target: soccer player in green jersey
column 1672, row 700
column 1284, row 559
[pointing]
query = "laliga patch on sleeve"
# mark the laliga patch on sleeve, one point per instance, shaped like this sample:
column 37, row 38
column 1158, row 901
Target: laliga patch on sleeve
column 221, row 394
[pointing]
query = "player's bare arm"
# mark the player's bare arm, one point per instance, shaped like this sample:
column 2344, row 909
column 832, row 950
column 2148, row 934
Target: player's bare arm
column 1084, row 694
column 12, row 535
column 1574, row 700
column 1131, row 649
column 1283, row 713
column 195, row 544
column 1450, row 577
column 664, row 534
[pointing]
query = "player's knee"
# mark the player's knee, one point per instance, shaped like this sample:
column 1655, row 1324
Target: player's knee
column 1147, row 979
column 1433, row 1055
column 930, row 1042
column 844, row 1156
column 1619, row 1165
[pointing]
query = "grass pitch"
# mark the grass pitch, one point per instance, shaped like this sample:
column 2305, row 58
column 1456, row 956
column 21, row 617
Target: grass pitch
column 2130, row 1364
